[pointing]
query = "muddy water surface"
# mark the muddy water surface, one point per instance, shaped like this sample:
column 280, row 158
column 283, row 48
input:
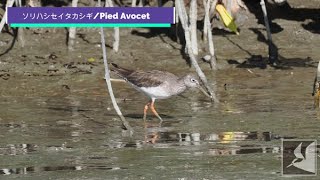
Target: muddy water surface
column 72, row 131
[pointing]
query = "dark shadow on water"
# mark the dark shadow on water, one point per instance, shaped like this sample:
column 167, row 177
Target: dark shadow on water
column 155, row 32
column 286, row 12
column 255, row 61
column 313, row 27
column 260, row 35
column 258, row 61
column 222, row 32
column 298, row 62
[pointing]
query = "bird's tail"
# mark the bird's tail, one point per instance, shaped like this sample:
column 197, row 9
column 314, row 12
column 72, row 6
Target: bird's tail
column 122, row 72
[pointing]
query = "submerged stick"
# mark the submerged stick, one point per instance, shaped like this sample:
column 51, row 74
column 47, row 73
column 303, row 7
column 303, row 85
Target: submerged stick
column 107, row 78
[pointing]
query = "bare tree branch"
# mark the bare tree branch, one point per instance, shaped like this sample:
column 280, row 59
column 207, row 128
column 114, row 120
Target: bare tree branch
column 273, row 50
column 125, row 123
column 116, row 34
column 4, row 18
column 213, row 61
column 184, row 20
column 72, row 30
column 193, row 26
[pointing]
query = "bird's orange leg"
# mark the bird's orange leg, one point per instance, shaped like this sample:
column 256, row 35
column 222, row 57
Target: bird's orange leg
column 155, row 112
column 146, row 107
column 317, row 99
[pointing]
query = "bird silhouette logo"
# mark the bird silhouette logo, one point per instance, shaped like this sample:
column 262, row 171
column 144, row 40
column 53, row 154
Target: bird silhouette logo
column 305, row 160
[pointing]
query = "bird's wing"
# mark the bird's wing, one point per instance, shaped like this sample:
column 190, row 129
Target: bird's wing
column 149, row 78
column 143, row 78
column 120, row 71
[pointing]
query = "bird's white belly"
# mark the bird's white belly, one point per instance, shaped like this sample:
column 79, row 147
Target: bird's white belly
column 156, row 92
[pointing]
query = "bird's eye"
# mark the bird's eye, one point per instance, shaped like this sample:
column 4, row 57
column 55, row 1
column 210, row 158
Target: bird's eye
column 193, row 80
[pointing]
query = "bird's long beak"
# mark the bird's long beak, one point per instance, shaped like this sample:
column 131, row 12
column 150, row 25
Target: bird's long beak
column 205, row 92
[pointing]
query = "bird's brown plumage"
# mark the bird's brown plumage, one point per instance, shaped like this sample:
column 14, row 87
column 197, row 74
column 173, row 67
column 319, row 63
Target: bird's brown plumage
column 152, row 78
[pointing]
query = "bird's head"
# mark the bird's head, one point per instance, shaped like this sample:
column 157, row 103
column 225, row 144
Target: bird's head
column 192, row 81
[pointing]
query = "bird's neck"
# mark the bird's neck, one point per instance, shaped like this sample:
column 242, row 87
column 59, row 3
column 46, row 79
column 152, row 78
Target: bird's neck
column 180, row 86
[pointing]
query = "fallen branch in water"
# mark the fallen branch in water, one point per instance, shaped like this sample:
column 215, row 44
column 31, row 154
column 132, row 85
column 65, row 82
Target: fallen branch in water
column 125, row 123
column 107, row 78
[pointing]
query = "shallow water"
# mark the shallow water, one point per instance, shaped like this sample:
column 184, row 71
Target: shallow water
column 74, row 133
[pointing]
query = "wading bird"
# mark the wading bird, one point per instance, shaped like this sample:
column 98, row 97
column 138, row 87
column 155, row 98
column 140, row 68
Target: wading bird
column 157, row 84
